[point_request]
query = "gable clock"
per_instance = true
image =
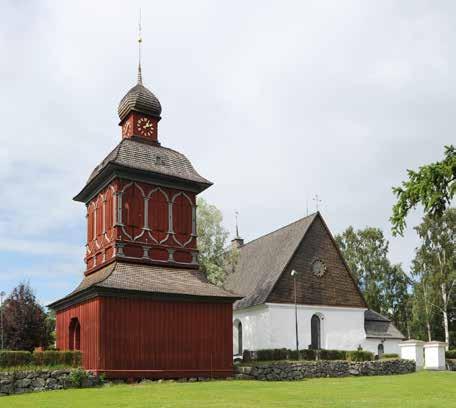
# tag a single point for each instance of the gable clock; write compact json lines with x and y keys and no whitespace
{"x":318,"y":268}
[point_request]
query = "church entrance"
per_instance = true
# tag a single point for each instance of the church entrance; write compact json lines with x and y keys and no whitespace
{"x":237,"y":338}
{"x":315,"y":332}
{"x":75,"y":335}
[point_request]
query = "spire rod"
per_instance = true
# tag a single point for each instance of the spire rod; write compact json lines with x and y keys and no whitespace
{"x":236,"y":213}
{"x":139,"y":49}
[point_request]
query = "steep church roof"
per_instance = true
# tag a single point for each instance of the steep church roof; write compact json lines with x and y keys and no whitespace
{"x":262,"y":260}
{"x":260,"y":277}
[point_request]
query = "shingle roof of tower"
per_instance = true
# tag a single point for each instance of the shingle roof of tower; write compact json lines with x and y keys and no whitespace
{"x":139,"y":99}
{"x":137,"y":155}
{"x":151,"y":279}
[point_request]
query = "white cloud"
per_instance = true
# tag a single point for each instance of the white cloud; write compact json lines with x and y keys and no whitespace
{"x":273,"y":101}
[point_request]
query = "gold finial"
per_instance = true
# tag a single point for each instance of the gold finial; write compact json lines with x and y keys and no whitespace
{"x":139,"y":49}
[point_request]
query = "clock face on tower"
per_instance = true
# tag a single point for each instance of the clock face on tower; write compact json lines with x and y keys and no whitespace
{"x":145,"y":127}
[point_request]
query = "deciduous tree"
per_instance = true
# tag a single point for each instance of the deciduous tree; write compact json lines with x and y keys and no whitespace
{"x":433,"y":186}
{"x":435,"y":262}
{"x":384,"y":285}
{"x":25,"y":321}
{"x":212,"y":242}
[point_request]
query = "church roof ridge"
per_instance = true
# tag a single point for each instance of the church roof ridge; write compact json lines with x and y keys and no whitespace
{"x":281,"y":228}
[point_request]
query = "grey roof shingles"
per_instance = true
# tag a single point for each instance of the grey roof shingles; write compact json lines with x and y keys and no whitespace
{"x":262,"y":261}
{"x":151,"y":279}
{"x":139,"y":99}
{"x":137,"y":155}
{"x":378,"y":326}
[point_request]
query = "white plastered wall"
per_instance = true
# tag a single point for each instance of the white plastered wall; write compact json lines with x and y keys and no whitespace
{"x":272,"y":325}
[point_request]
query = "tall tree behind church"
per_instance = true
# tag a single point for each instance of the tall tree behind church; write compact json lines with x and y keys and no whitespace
{"x":212,"y":243}
{"x":384,"y":285}
{"x":435,"y":262}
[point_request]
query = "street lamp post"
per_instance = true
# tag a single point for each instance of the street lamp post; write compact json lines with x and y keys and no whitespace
{"x":2,"y":293}
{"x":293,"y":274}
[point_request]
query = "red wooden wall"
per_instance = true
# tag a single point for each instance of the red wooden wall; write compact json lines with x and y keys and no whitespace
{"x":88,"y":314}
{"x":155,"y":339}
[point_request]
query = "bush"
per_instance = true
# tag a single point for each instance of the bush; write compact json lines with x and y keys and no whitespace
{"x":14,"y":358}
{"x":246,"y":356}
{"x":272,"y":354}
{"x":52,"y":358}
{"x":389,"y":355}
{"x":360,"y":355}
{"x":450,"y":354}
{"x":332,"y":354}
{"x":78,"y":376}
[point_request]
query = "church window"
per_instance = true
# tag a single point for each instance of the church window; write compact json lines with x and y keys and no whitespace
{"x":315,"y":332}
{"x":380,"y":350}
{"x":237,"y":338}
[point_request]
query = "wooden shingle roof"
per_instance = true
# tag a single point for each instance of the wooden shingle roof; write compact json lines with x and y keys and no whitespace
{"x":150,"y":279}
{"x":262,"y":261}
{"x":379,"y":326}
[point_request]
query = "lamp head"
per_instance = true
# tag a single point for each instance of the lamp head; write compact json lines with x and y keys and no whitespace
{"x":293,"y":273}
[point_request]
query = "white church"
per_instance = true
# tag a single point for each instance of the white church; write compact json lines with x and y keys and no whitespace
{"x":302,"y":262}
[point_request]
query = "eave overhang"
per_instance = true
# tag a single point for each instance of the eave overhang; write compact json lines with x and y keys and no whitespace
{"x":97,"y":291}
{"x":112,"y":171}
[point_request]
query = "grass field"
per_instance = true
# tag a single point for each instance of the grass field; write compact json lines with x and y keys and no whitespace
{"x":424,"y":389}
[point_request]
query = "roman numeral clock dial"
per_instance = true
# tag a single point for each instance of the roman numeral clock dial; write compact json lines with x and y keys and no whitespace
{"x":145,"y":127}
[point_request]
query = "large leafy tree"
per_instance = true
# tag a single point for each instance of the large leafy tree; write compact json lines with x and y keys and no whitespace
{"x":435,"y":263}
{"x":212,"y":242}
{"x":433,"y":186}
{"x":384,"y":285}
{"x":25,"y":322}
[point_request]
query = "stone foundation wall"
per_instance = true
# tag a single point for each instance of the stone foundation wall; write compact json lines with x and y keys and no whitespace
{"x":283,"y":371}
{"x":19,"y":382}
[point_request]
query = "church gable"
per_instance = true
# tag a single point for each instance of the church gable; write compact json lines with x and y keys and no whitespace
{"x":323,"y":277}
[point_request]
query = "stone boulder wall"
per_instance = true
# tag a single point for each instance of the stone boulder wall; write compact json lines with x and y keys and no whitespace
{"x":19,"y":382}
{"x":297,"y":370}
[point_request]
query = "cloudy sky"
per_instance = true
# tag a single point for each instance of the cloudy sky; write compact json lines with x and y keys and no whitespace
{"x":274,"y":101}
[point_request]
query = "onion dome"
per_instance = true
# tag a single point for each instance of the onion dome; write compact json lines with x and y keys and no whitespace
{"x":139,"y":99}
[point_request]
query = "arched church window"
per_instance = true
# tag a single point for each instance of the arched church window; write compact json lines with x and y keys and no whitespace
{"x":237,"y":338}
{"x":74,"y":334}
{"x":380,"y":350}
{"x":315,"y":332}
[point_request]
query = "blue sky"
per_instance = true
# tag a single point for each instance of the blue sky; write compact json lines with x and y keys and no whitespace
{"x":273,"y":101}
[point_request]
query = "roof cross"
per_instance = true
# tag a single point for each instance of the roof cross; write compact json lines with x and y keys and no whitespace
{"x":317,"y":201}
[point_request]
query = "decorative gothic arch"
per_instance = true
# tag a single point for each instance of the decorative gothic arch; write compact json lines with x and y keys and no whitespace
{"x":74,"y":334}
{"x":237,"y":338}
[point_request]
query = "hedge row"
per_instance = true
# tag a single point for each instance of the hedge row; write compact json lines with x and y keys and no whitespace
{"x":450,"y":354}
{"x":309,"y":354}
{"x":45,"y":358}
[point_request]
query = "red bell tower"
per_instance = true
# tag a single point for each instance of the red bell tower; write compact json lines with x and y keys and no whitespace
{"x":143,"y":308}
{"x":141,"y":199}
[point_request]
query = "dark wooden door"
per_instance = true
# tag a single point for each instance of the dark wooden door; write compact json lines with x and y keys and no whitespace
{"x":315,"y":332}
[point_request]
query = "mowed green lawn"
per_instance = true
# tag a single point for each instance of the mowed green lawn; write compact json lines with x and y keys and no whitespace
{"x":424,"y":389}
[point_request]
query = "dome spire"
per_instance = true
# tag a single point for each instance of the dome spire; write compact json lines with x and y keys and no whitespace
{"x":139,"y":49}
